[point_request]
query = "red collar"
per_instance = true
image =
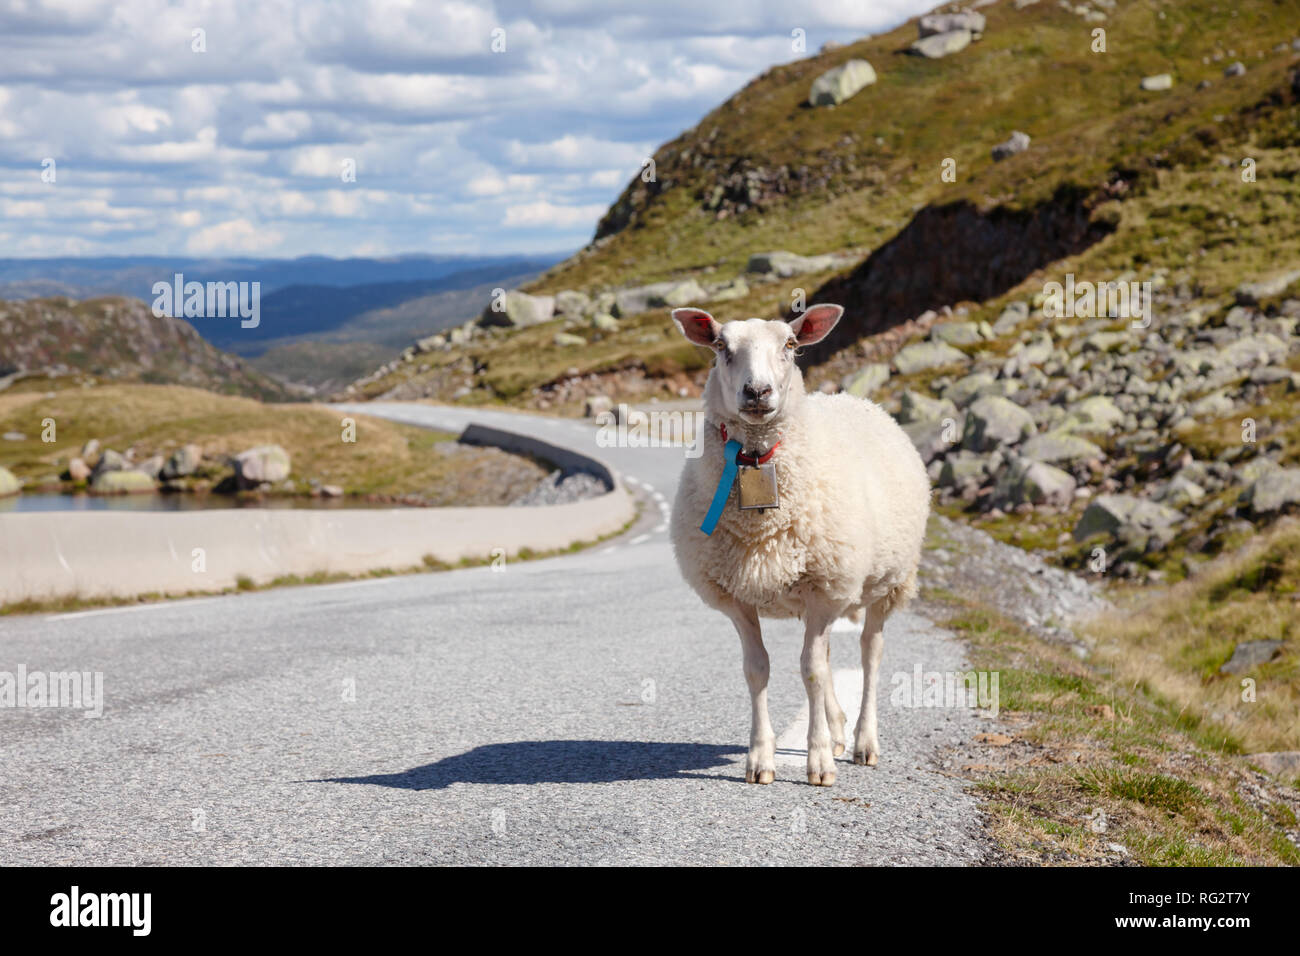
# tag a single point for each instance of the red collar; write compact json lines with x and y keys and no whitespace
{"x":750,"y":459}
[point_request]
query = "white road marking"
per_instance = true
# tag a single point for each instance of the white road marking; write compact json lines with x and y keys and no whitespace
{"x":660,"y":528}
{"x":640,"y":539}
{"x":792,"y":744}
{"x":156,"y":606}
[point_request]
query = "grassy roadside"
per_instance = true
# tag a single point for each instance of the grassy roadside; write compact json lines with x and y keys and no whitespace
{"x":1095,"y":767}
{"x":1174,"y":643}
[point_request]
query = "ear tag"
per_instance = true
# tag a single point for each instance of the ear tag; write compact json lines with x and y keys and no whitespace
{"x":758,"y":490}
{"x":724,"y":487}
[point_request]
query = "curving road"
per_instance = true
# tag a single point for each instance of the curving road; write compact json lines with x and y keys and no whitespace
{"x":580,"y":710}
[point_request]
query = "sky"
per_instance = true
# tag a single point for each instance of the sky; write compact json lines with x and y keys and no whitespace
{"x":185,"y":127}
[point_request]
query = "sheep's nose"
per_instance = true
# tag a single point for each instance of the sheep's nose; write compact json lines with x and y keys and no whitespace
{"x":755,"y":392}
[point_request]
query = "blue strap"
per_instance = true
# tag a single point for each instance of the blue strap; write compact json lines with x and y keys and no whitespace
{"x":724,"y":487}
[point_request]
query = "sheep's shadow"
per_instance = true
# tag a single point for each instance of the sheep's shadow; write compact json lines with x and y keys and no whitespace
{"x":560,"y":761}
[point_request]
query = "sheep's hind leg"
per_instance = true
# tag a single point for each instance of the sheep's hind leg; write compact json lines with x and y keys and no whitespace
{"x":815,"y":666}
{"x":866,"y":746}
{"x":834,"y":712}
{"x":760,"y":764}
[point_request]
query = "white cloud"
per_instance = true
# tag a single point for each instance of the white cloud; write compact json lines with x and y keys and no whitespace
{"x":545,"y":213}
{"x":234,"y":236}
{"x":240,"y":148}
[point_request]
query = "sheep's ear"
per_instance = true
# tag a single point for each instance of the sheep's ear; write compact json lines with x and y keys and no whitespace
{"x":697,"y":325}
{"x":815,"y":323}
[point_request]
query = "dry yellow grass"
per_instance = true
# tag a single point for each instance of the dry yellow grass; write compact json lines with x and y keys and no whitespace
{"x":386,"y":458}
{"x":1173,"y":642}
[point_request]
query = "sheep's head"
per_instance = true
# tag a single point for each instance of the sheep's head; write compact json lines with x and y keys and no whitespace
{"x":755,"y":368}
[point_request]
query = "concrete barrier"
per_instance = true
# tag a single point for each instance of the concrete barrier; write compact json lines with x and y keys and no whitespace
{"x":566,"y":459}
{"x":47,"y":555}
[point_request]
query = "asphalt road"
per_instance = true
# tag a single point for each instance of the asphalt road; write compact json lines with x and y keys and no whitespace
{"x":586,"y":709}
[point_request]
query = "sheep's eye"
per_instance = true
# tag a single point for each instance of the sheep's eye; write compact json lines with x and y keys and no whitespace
{"x":789,"y":345}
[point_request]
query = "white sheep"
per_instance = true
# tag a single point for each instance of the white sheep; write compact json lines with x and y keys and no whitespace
{"x":846,"y":536}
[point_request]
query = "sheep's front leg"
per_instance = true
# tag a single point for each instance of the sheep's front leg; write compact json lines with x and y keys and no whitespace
{"x":866,"y":747}
{"x":834,"y":712}
{"x":760,"y":764}
{"x":815,"y":665}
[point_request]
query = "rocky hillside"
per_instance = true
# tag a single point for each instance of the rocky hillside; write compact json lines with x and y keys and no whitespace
{"x":937,"y":181}
{"x":117,"y":340}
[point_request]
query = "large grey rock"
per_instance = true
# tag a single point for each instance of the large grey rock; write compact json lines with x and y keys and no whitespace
{"x":1026,"y":355}
{"x":685,"y":292}
{"x":1253,"y":351}
{"x":1273,"y":492}
{"x":993,"y":421}
{"x":933,"y":23}
{"x":109,"y":460}
{"x":961,"y":333}
{"x":784,"y":264}
{"x":9,"y":483}
{"x":519,"y":310}
{"x":597,"y":405}
{"x":1096,"y":415}
{"x":1104,"y":341}
{"x":938,"y":45}
{"x":1179,"y":492}
{"x":1215,"y":405}
{"x":265,"y":463}
{"x":966,"y":389}
{"x":122,"y":482}
{"x":658,"y":295}
{"x":728,"y":291}
{"x":184,"y":461}
{"x":1017,"y":143}
{"x":1115,"y":514}
{"x":923,"y":355}
{"x":1056,"y":447}
{"x":1280,"y":763}
{"x":921,"y":408}
{"x":962,"y":469}
{"x":575,"y":305}
{"x":1256,"y":468}
{"x":931,"y":439}
{"x":835,"y":86}
{"x":1013,"y":315}
{"x":1026,"y":481}
{"x":1249,"y":655}
{"x":1252,"y":293}
{"x":864,"y":382}
{"x":152,"y":466}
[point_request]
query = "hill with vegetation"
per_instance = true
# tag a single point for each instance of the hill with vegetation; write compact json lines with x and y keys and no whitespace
{"x":1117,"y":178}
{"x":60,"y":342}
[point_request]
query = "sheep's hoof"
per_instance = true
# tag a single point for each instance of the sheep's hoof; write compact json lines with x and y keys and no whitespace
{"x":865,"y":759}
{"x":759,"y":776}
{"x":837,"y":749}
{"x":821,"y":779}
